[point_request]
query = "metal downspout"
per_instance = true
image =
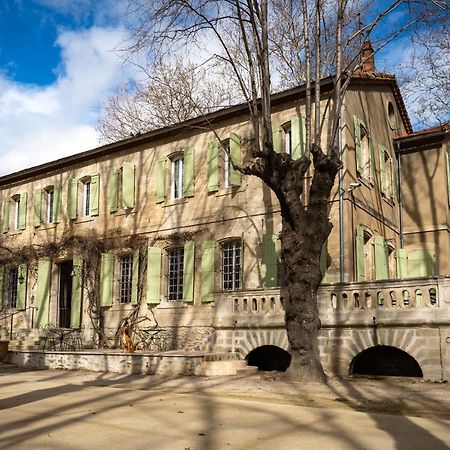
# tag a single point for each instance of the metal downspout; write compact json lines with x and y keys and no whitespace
{"x":400,"y":196}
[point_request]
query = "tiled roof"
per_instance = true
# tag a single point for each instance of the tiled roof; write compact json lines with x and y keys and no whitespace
{"x":426,"y":131}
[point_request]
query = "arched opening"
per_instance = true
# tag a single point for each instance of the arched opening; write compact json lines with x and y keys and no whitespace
{"x":269,"y":357}
{"x":383,"y":360}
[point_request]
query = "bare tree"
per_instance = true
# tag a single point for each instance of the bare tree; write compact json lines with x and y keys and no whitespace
{"x":312,"y":38}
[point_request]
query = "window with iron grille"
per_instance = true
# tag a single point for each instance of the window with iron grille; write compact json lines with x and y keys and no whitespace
{"x":175,"y":279}
{"x":125,"y":279}
{"x":231,"y":265}
{"x":11,"y":287}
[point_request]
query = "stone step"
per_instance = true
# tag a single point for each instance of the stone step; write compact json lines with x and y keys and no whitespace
{"x":220,"y":368}
{"x":248,"y":370}
{"x":6,"y":366}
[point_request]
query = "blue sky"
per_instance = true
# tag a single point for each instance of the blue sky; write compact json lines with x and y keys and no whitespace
{"x":58,"y":64}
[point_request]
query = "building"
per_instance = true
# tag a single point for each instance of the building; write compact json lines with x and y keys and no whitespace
{"x":159,"y":228}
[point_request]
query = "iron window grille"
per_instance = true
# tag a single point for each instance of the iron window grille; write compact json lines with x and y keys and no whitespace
{"x":231,"y":265}
{"x":126,"y":277}
{"x":175,"y":279}
{"x":11,"y":293}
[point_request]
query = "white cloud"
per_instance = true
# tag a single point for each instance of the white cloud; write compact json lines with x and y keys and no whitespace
{"x":40,"y":124}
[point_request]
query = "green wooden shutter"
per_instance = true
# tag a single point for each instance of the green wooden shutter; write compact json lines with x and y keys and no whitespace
{"x":372,"y":160}
{"x":5,"y":215}
{"x":358,"y":152}
{"x":394,"y":189}
{"x":360,"y":257}
{"x":213,"y":167}
{"x":153,"y":275}
{"x":421,"y":263}
{"x":95,"y":193}
{"x":43,"y":292}
{"x":77,"y":290}
{"x":128,"y":185}
{"x":57,"y":203}
{"x":381,"y":150}
{"x":188,"y":271}
{"x":106,"y":279}
{"x":72,"y":197}
{"x":381,"y":262}
{"x":23,"y":211}
{"x":189,"y":173}
{"x":22,"y":274}
{"x":37,"y":202}
{"x":276,"y":138}
{"x":269,"y":264}
{"x":2,"y":277}
{"x":448,"y":176}
{"x":160,"y":179}
{"x":295,"y":138}
{"x":235,"y":151}
{"x":113,"y":190}
{"x":208,"y":258}
{"x":135,"y":278}
{"x":402,"y":263}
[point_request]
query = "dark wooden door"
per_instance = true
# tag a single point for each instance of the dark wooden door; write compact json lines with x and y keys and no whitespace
{"x":65,"y":293}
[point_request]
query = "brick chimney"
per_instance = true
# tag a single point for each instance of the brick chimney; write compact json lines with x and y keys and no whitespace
{"x":367,"y":58}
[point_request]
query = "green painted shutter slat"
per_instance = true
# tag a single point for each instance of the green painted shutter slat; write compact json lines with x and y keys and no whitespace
{"x":358,"y":152}
{"x":128,"y":185}
{"x":381,"y":263}
{"x":106,"y":279}
{"x":188,"y":271}
{"x":77,"y":290}
{"x":381,"y":150}
{"x":113,"y":190}
{"x":421,"y":263}
{"x":37,"y":207}
{"x":269,"y":267}
{"x":207,"y":267}
{"x":160,"y":179}
{"x":402,"y":263}
{"x":5,"y":215}
{"x":295,"y":138}
{"x":276,"y":138}
{"x":153,"y":275}
{"x":448,"y":176}
{"x":189,"y":173}
{"x":22,"y":274}
{"x":43,"y":292}
{"x":360,"y":257}
{"x":57,"y":203}
{"x":372,"y":160}
{"x":95,"y":194}
{"x":213,"y":167}
{"x":135,"y":278}
{"x":235,"y":153}
{"x":23,"y":211}
{"x":2,"y":277}
{"x":72,"y":197}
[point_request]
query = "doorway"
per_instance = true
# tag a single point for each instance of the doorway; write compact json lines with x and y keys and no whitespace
{"x":65,"y":293}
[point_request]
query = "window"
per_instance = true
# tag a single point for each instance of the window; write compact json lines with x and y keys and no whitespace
{"x":177,"y":177}
{"x":231,"y":265}
{"x":386,"y":172}
{"x":365,"y":153}
{"x":86,"y":204}
{"x":226,"y":164}
{"x":175,"y":275}
{"x":50,"y":201}
{"x":126,"y":278}
{"x":11,"y":287}
{"x":16,"y":212}
{"x":391,"y":116}
{"x":287,"y":138}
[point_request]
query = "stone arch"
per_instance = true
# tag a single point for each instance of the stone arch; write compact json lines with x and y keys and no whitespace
{"x":268,"y":358}
{"x":385,"y":360}
{"x":253,"y":339}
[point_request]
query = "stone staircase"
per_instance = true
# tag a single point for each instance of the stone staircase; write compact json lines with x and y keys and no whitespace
{"x":26,"y":339}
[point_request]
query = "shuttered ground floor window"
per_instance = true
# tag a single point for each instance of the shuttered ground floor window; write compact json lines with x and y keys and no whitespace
{"x":126,"y":278}
{"x":175,"y":275}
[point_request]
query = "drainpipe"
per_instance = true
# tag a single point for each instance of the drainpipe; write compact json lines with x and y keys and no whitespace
{"x":400,"y":196}
{"x":341,"y":208}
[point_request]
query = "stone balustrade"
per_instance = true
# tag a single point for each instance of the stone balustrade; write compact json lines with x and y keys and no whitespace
{"x":407,"y":302}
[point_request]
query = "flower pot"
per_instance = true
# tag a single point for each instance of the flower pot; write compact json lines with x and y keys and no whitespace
{"x":3,"y":350}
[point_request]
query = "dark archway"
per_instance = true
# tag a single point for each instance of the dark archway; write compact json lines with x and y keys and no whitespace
{"x":383,"y":360}
{"x":269,"y":357}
